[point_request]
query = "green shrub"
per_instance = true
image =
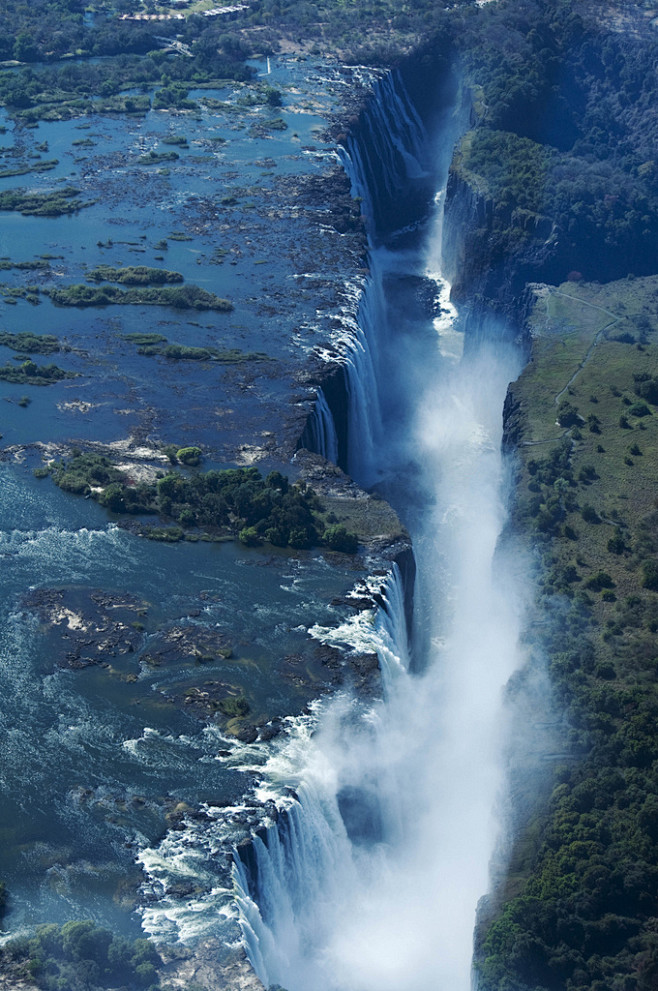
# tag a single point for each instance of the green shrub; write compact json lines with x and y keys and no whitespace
{"x":567,"y":414}
{"x":337,"y":538}
{"x":302,"y":537}
{"x":587,"y":474}
{"x":647,"y":388}
{"x":599,"y":581}
{"x":589,"y":514}
{"x":650,"y":575}
{"x":190,"y":456}
{"x":234,"y":706}
{"x":616,"y":544}
{"x":250,"y":537}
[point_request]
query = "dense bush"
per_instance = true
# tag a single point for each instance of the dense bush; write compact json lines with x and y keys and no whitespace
{"x":237,"y":500}
{"x":134,"y":275}
{"x":337,"y":538}
{"x":81,"y":956}
{"x":565,"y":145}
{"x":180,"y":297}
{"x":52,"y":204}
{"x":29,"y":373}
{"x":28,"y":343}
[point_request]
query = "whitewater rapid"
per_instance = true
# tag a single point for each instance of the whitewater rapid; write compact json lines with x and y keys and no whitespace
{"x":372,"y":878}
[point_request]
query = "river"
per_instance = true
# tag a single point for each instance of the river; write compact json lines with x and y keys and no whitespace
{"x":97,"y":757}
{"x":383,"y":816}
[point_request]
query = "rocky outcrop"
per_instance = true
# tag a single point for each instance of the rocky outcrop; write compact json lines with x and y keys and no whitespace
{"x":382,"y":536}
{"x":485,"y":268}
{"x":209,"y":967}
{"x":513,"y":420}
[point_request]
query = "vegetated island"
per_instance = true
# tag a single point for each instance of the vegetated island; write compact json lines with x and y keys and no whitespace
{"x":25,"y":342}
{"x":147,"y":286}
{"x":51,"y":204}
{"x":235,"y":502}
{"x":134,"y":275}
{"x":29,"y":373}
{"x":152,"y":344}
{"x":186,"y":297}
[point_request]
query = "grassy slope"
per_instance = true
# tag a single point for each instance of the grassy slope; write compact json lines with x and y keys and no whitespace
{"x":577,"y":907}
{"x":578,"y":357}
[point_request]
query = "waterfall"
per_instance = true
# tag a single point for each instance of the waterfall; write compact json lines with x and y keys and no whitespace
{"x":371,"y":880}
{"x":291,"y":881}
{"x":382,"y":631}
{"x":320,"y":433}
{"x":364,"y":425}
{"x":387,"y":160}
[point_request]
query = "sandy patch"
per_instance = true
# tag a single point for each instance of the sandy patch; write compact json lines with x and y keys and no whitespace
{"x":73,"y":620}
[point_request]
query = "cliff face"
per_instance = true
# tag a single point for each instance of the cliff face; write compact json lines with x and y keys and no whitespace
{"x":485,"y":269}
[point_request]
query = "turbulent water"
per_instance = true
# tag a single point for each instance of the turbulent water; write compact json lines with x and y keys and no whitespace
{"x":101,"y":748}
{"x":93,"y":759}
{"x":372,"y":880}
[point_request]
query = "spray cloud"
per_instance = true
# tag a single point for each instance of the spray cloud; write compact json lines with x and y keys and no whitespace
{"x":372,"y":881}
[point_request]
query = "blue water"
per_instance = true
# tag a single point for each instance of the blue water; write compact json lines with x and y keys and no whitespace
{"x":231,"y":201}
{"x":93,"y":760}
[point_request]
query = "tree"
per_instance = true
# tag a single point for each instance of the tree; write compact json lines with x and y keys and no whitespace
{"x":112,"y":498}
{"x":24,"y":48}
{"x":337,"y":538}
{"x":567,"y":414}
{"x":189,"y":456}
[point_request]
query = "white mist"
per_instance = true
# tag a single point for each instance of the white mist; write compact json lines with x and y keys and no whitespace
{"x":384,"y":897}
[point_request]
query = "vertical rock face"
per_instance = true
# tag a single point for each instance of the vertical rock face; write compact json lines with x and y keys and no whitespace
{"x":386,"y":149}
{"x":392,"y":166}
{"x":486,"y":275}
{"x":466,"y":212}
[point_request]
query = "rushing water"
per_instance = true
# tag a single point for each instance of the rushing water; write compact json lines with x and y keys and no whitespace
{"x":371,"y":876}
{"x":96,"y":761}
{"x":371,"y":881}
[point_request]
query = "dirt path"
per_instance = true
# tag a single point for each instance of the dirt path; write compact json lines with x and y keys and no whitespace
{"x":615,"y":319}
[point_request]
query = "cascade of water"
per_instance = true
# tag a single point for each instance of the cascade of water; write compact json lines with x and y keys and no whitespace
{"x":320,"y":434}
{"x":291,"y":883}
{"x":382,"y":632}
{"x":394,"y":152}
{"x":391,"y":158}
{"x":364,"y":424}
{"x":372,"y":881}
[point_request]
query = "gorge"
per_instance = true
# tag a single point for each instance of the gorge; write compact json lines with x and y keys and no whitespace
{"x":372,"y":878}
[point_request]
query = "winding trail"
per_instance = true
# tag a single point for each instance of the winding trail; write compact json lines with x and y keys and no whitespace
{"x":597,"y":338}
